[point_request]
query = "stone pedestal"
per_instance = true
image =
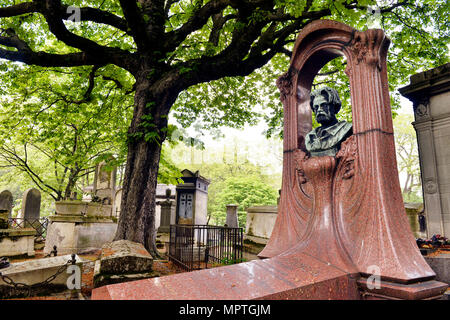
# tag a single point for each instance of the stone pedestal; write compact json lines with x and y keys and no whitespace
{"x":232,"y":216}
{"x":78,"y":226}
{"x":430,"y":93}
{"x":413,"y":212}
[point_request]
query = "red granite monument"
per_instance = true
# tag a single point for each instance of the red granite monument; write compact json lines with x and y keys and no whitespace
{"x":341,"y":223}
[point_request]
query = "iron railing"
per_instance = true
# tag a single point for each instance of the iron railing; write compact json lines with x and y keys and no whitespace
{"x":40,"y":225}
{"x":194,"y":247}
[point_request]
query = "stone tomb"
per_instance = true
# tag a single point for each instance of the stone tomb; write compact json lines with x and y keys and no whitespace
{"x":80,"y":226}
{"x":77,"y":226}
{"x":15,"y":242}
{"x":35,"y":271}
{"x":192,"y":199}
{"x":335,"y":213}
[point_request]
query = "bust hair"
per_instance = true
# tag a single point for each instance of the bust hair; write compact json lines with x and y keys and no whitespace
{"x":330,"y":94}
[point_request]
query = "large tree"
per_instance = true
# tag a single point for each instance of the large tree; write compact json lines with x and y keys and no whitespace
{"x":173,"y":45}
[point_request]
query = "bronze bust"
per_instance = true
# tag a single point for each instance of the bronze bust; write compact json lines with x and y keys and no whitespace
{"x":326,"y":139}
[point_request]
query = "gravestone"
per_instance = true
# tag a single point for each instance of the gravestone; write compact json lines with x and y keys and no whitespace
{"x":232,"y":216}
{"x":6,"y":201}
{"x":31,"y":205}
{"x":429,"y":92}
{"x":166,"y":211}
{"x":105,"y":183}
{"x":336,"y":212}
{"x":161,"y":196}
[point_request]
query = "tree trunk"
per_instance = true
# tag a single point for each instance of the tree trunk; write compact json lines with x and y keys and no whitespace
{"x":70,"y":184}
{"x":137,"y":213}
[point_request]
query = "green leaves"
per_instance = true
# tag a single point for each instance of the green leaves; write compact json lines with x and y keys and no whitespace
{"x":53,"y":128}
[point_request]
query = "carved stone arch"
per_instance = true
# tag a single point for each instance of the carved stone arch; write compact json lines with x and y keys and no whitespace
{"x":369,"y":225}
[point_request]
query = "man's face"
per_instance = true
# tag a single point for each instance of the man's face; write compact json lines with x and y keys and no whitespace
{"x":323,"y":110}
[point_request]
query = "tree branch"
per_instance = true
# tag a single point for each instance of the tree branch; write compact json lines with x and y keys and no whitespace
{"x":197,"y":21}
{"x":135,"y":22}
{"x":86,"y":14}
{"x":52,"y":14}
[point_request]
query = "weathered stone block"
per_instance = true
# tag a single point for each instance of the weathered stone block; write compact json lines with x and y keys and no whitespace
{"x":76,"y":208}
{"x":76,"y":235}
{"x":123,"y":261}
{"x":36,"y":271}
{"x":98,"y":209}
{"x":17,"y":242}
{"x":441,"y":266}
{"x":125,"y":256}
{"x":70,"y":207}
{"x":260,"y":222}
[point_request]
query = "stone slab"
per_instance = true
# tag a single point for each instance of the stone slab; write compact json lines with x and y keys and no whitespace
{"x":125,"y":256}
{"x":441,"y":266}
{"x":102,"y":279}
{"x":426,"y":290}
{"x":35,"y":271}
{"x":258,"y":240}
{"x":283,"y":277}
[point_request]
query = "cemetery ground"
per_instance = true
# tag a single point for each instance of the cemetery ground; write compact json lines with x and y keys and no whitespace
{"x":160,"y":267}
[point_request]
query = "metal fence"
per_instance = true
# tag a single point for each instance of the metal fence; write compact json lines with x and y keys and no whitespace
{"x":194,"y":247}
{"x":40,"y":225}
